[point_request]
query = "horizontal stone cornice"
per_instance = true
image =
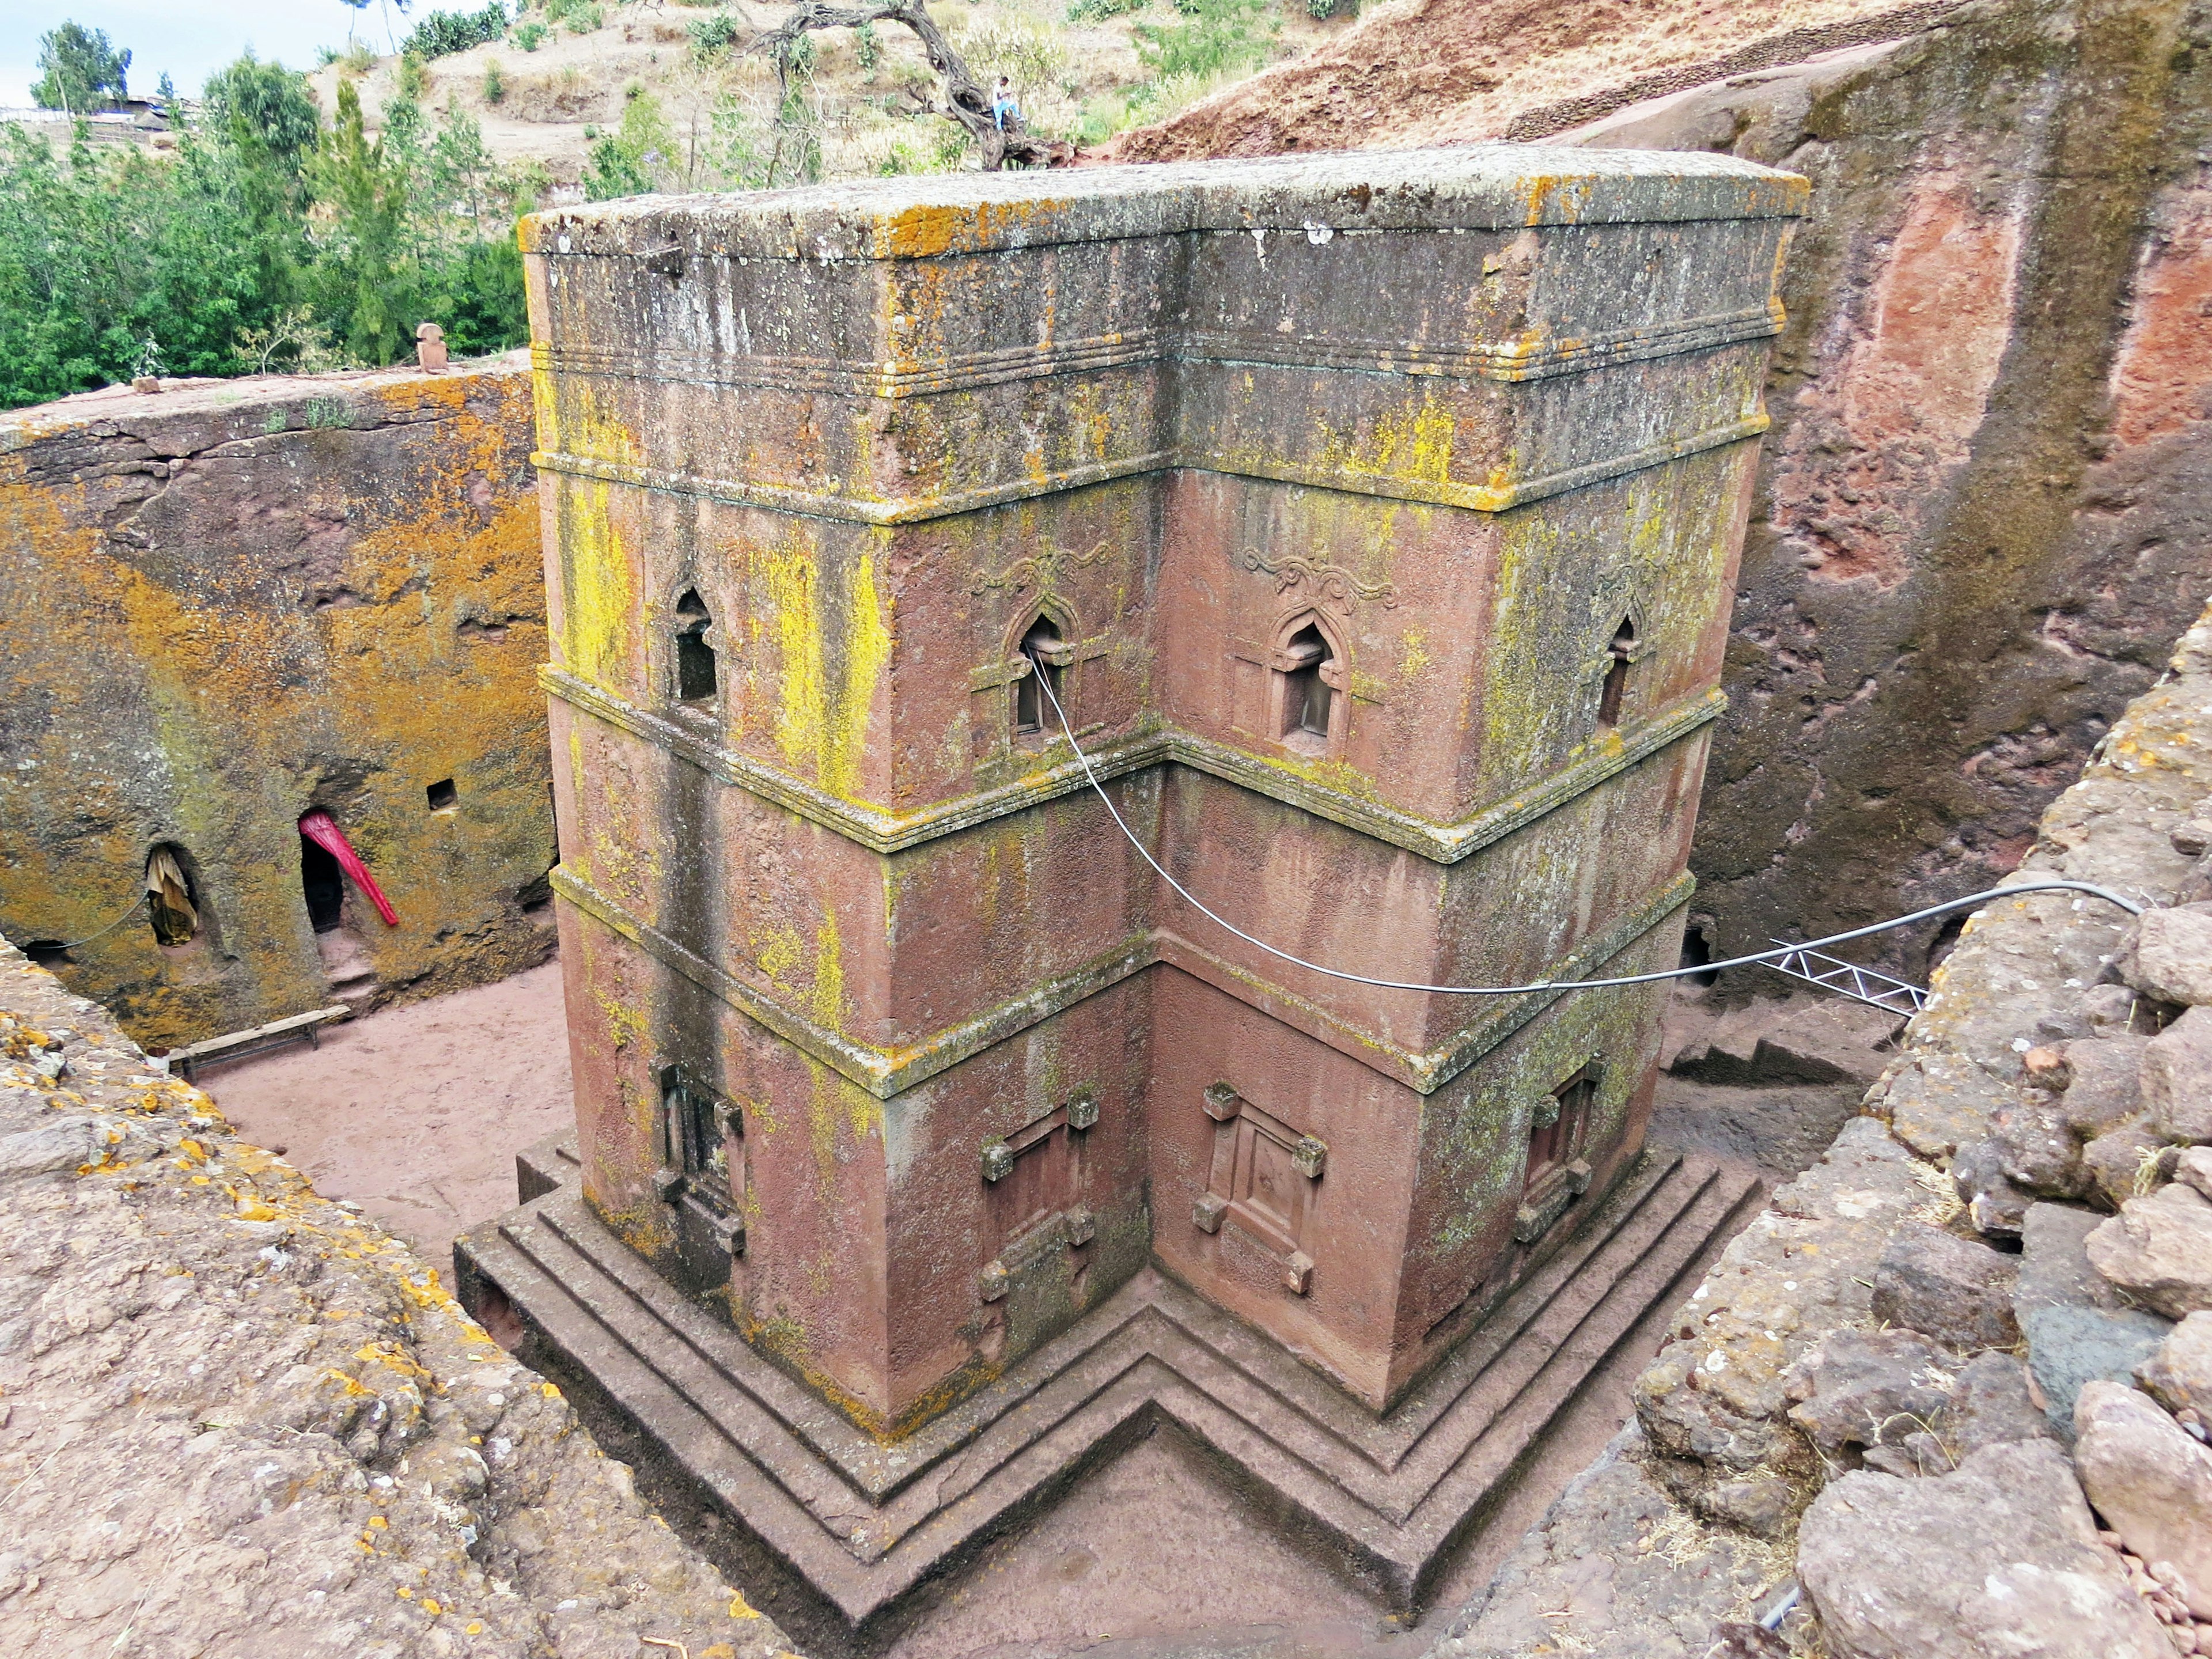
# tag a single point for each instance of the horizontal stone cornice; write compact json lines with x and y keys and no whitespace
{"x":832,"y":503}
{"x":886,"y":1072}
{"x":882,"y":830}
{"x":1510,"y":359}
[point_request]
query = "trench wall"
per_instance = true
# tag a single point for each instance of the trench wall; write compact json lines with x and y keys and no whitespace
{"x":1984,"y":508}
{"x":230,"y":601}
{"x":1780,"y":1401}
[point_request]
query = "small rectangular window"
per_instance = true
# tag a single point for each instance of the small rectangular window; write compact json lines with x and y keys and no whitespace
{"x":442,"y":795}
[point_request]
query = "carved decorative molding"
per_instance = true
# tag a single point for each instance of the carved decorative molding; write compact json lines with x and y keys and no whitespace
{"x":1042,"y":570}
{"x":1326,"y":584}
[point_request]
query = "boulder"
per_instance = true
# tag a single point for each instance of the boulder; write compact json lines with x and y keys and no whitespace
{"x":1934,"y":1282}
{"x":1992,"y":1405}
{"x":1761,"y":1505}
{"x":2037,"y":1149}
{"x":2105,"y":1086}
{"x":2158,"y":1250}
{"x":2167,"y":954}
{"x":1994,"y":1205}
{"x":2193,"y":1168}
{"x":2113,"y":1010}
{"x":2112,"y":1165}
{"x":2151,"y":1482}
{"x":1938,"y":1103}
{"x":1869,"y":1389}
{"x":2177,"y":1078}
{"x":1999,"y":1557}
{"x":2054,"y":1265}
{"x":2069,"y":1347}
{"x":2180,"y":1374}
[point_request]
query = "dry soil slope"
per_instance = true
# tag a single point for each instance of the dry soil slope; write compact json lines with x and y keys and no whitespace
{"x":1459,"y":71}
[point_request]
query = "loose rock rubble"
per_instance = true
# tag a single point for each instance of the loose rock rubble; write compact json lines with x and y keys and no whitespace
{"x":236,"y":1420}
{"x":1952,"y":1387}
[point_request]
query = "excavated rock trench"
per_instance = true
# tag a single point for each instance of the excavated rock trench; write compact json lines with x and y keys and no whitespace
{"x":363,"y":1471}
{"x":237,"y":1416}
{"x":412,"y":1118}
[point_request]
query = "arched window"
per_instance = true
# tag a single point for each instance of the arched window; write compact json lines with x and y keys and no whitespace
{"x":1305,"y":693}
{"x":696,"y":682}
{"x":1623,"y":650}
{"x":171,"y":904}
{"x":1047,"y":654}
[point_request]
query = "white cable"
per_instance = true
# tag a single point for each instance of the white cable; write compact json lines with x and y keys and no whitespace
{"x":2050,"y":885}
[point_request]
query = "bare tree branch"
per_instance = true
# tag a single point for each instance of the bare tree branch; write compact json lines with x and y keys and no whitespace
{"x":967,"y":99}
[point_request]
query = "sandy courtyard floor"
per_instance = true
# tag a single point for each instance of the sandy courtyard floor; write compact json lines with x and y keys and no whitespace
{"x":415,"y":1114}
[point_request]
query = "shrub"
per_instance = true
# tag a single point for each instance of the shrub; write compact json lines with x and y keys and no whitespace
{"x":530,"y":35}
{"x":357,"y":58}
{"x":441,"y":33}
{"x":412,"y":79}
{"x":867,"y":51}
{"x":713,"y":35}
{"x":1028,"y":55}
{"x":1097,"y":11}
{"x":1216,"y":37}
{"x":495,"y":83}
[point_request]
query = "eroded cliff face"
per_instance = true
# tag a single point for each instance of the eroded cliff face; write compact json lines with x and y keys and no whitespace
{"x":1986,"y":502}
{"x":227,"y":603}
{"x":1985,"y":509}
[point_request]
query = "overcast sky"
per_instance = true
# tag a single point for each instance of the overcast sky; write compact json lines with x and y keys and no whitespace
{"x":186,"y":38}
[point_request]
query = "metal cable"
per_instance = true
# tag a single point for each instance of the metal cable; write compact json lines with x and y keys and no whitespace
{"x":2050,"y":885}
{"x":104,"y":932}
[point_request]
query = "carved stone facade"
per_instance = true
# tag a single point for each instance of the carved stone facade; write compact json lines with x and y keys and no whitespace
{"x":1374,"y":521}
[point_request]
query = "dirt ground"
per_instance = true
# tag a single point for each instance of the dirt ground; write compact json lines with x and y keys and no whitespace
{"x":416,"y":1113}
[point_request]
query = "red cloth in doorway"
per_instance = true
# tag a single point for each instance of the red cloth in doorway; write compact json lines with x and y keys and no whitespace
{"x":320,"y":828}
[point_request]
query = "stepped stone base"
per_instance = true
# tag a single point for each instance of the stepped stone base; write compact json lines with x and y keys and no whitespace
{"x":863,"y":1524}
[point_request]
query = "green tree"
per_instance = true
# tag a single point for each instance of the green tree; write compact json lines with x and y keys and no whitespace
{"x":635,"y":156}
{"x":265,"y":118}
{"x":365,"y":277}
{"x":76,"y":66}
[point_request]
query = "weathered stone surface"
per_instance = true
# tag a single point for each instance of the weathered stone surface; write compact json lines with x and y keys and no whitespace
{"x":2192,"y":1167}
{"x":300,"y":592}
{"x":1607,"y":1571}
{"x":2159,"y":1249}
{"x":1717,"y":1393}
{"x":2036,"y":1147}
{"x":2177,"y":1078}
{"x":2167,"y":954}
{"x":238,"y":1420}
{"x":2151,"y":1482}
{"x":2054,"y":1265}
{"x":2109,"y":828}
{"x":2000,"y":1558}
{"x":2069,"y":1347}
{"x":2112,"y":1165}
{"x":1763,"y":1505}
{"x":1937,"y":1103}
{"x":2180,"y":1374}
{"x":1993,"y":1204}
{"x":1940,"y":1285}
{"x":62,"y":1143}
{"x":2105,"y":1087}
{"x":1991,"y":1405}
{"x":1871,"y":1390}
